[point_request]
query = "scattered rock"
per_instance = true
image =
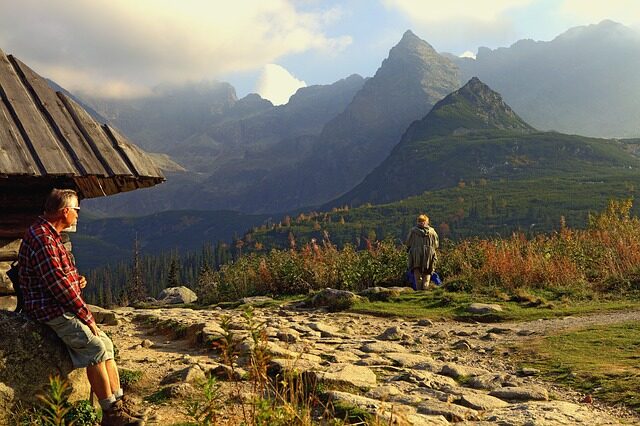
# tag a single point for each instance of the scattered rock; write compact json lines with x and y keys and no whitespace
{"x":480,"y":402}
{"x":225,"y":372}
{"x":462,"y":345}
{"x":103,"y":316}
{"x":288,"y":335}
{"x":342,"y":357}
{"x":457,"y":371}
{"x":484,"y":308}
{"x":531,"y":393}
{"x":325,"y":329}
{"x":383,"y":392}
{"x":417,"y":361}
{"x":451,"y":412}
{"x":179,"y":390}
{"x":177,"y":295}
{"x":146,"y":343}
{"x":382,"y":347}
{"x":192,"y":374}
{"x":425,"y":322}
{"x":347,"y":374}
{"x":527,"y":371}
{"x":440,"y":335}
{"x":392,"y":333}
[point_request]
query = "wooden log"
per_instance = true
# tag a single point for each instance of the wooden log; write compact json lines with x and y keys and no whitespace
{"x":42,"y":144}
{"x":8,"y":303}
{"x":6,"y":286}
{"x":14,"y":225}
{"x":9,"y":249}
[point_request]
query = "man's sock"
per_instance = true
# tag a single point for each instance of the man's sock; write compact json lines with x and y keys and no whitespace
{"x":119,"y":393}
{"x":106,"y":403}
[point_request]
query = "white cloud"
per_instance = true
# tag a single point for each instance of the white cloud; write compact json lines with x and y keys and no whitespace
{"x":123,"y":47}
{"x":277,"y":84}
{"x":459,"y":24}
{"x":438,"y":10}
{"x":593,"y":11}
{"x":468,"y":54}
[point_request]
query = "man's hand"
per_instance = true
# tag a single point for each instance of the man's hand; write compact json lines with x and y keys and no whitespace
{"x":94,"y":328}
{"x":83,"y":281}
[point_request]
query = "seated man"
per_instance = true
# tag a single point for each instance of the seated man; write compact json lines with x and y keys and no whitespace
{"x":51,"y":286}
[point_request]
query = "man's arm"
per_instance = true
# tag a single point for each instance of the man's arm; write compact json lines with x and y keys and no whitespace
{"x":59,"y":283}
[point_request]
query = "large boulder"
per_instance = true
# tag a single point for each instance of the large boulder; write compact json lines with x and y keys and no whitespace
{"x":30,"y":352}
{"x":334,"y":300}
{"x":177,"y":295}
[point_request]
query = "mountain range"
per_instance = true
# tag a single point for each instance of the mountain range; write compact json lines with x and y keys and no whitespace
{"x":472,"y":163}
{"x":248,"y":155}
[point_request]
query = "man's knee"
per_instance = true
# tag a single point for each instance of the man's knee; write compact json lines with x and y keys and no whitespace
{"x":108,"y":345}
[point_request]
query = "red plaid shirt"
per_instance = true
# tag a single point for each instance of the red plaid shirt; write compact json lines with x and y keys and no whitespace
{"x":49,"y":280}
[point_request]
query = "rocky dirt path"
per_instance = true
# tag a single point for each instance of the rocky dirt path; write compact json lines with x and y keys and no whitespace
{"x":420,"y":372}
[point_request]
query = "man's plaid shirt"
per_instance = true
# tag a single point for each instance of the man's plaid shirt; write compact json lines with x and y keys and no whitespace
{"x":48,"y":278}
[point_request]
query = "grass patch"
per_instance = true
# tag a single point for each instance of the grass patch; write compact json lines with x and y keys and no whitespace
{"x":602,"y":361}
{"x":158,"y":397}
{"x":440,"y":303}
{"x":129,"y":377}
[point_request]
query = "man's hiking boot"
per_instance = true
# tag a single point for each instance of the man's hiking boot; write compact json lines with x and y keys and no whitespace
{"x":131,"y":407}
{"x":116,"y":416}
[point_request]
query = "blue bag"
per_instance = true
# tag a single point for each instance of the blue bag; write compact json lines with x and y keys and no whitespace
{"x":435,"y":279}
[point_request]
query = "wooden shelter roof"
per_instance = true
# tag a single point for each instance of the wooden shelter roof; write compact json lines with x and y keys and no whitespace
{"x":45,"y":134}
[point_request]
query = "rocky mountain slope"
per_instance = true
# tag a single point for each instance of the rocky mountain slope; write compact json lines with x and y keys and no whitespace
{"x":408,"y":83}
{"x":473,"y":134}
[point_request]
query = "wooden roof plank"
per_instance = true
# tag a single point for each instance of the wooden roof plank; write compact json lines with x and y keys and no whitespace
{"x":139,"y":160}
{"x":14,"y":154}
{"x":29,"y":120}
{"x":92,"y":132}
{"x":80,"y":150}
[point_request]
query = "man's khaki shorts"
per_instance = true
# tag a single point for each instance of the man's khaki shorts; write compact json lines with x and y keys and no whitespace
{"x":84,"y":347}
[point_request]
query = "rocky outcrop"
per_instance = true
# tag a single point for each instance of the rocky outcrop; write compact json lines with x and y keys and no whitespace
{"x":29,"y":354}
{"x":176,"y":295}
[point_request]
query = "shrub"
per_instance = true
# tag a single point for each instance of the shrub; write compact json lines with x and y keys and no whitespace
{"x":603,"y":257}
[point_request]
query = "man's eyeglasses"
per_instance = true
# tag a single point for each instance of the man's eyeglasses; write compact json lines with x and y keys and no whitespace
{"x":74,"y":208}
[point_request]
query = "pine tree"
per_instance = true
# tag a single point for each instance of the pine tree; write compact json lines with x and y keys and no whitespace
{"x":174,"y":273}
{"x":137,"y":291}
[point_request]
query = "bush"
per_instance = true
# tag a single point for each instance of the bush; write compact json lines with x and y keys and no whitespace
{"x":603,"y":257}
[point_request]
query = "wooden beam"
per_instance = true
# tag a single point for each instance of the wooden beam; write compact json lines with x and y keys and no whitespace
{"x":92,"y":132}
{"x":14,"y":154}
{"x":61,"y":122}
{"x":34,"y":129}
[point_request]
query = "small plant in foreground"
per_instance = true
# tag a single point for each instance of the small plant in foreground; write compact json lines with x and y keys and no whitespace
{"x":55,"y":409}
{"x":205,"y":411}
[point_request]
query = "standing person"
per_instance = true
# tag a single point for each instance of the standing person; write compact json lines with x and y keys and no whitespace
{"x":422,"y":243}
{"x":52,"y":295}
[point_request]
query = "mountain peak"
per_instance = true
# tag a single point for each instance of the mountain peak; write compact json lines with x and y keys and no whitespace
{"x":412,"y":43}
{"x":473,"y":106}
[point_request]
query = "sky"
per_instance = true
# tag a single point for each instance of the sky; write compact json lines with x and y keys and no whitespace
{"x":124,"y":48}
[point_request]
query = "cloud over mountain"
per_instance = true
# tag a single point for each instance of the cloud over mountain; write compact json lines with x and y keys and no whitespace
{"x":120,"y":48}
{"x":277,"y":84}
